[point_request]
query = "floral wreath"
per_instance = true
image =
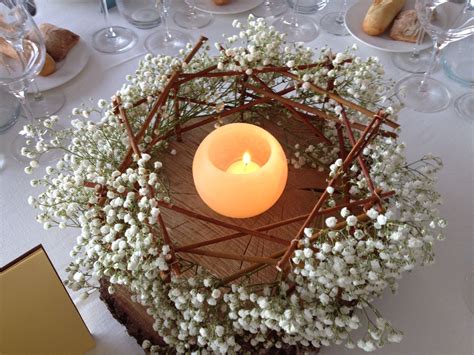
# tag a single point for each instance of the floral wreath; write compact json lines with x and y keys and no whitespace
{"x":334,"y":278}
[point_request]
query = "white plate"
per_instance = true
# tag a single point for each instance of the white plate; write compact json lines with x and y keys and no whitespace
{"x":232,"y":8}
{"x":356,"y":14}
{"x":67,"y":69}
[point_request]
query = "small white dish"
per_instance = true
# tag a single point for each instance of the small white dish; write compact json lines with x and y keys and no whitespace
{"x":232,"y":8}
{"x":67,"y":69}
{"x":356,"y":14}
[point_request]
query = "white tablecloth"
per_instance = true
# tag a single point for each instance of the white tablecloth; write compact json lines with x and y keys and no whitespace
{"x":429,"y":307}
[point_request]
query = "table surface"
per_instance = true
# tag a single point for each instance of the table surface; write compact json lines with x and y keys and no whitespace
{"x":429,"y":306}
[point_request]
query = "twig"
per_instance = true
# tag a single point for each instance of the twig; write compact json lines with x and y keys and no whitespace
{"x":217,"y":222}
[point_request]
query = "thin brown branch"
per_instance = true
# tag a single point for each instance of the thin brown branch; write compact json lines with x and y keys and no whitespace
{"x":167,"y":240}
{"x":128,"y":127}
{"x":341,"y":100}
{"x":239,"y":235}
{"x":295,"y":113}
{"x":217,"y":222}
{"x":216,"y":254}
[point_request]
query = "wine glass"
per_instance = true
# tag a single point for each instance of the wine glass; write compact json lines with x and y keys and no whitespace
{"x":22,"y":59}
{"x":113,"y":39}
{"x":167,"y":41}
{"x":333,"y":22}
{"x":416,"y":61}
{"x":270,"y":8}
{"x":191,"y":17}
{"x":458,"y":64}
{"x":445,"y":21}
{"x":44,"y":105}
{"x":297,"y":28}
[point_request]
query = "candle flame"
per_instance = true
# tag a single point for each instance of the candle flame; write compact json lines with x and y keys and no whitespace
{"x":247,"y":159}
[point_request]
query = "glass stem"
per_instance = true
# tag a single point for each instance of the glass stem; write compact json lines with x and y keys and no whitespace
{"x":294,"y":13}
{"x":166,"y":25}
{"x":37,"y":95}
{"x":192,"y":7}
{"x":21,"y":96}
{"x":433,"y":60}
{"x":416,"y":49}
{"x":110,"y":30}
{"x":340,"y":18}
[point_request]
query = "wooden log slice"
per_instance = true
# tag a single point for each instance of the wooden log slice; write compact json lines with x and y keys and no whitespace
{"x":303,"y":189}
{"x":139,"y":323}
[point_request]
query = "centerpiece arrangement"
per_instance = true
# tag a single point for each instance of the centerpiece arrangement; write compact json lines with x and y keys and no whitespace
{"x":234,"y":267}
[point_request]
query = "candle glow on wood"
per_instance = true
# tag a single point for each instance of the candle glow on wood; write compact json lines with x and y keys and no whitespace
{"x":240,"y":170}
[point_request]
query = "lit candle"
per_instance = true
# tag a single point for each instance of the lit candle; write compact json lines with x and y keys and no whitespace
{"x":240,"y":170}
{"x":244,"y":166}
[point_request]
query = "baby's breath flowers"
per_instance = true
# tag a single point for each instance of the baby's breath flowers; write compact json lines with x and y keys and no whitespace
{"x":335,"y":278}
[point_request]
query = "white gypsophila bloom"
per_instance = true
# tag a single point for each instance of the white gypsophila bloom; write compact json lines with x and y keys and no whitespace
{"x":331,"y":222}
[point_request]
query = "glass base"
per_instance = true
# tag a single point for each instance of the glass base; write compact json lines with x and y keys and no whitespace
{"x":307,"y":6}
{"x":411,"y":63}
{"x":272,"y":8}
{"x":464,"y":106}
{"x":189,"y":20}
{"x":115,"y":39}
{"x":46,"y":104}
{"x":433,"y":97}
{"x":167,"y":43}
{"x":299,"y":29}
{"x":333,"y":23}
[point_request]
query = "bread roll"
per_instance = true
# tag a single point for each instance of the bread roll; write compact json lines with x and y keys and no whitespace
{"x":405,"y":27}
{"x":380,"y":15}
{"x":49,"y":66}
{"x":58,"y":41}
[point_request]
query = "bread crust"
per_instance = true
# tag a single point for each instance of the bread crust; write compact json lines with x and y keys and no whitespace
{"x":405,"y":27}
{"x":58,"y":41}
{"x":380,"y":15}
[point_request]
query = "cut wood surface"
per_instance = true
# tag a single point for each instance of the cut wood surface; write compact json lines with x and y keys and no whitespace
{"x":303,"y":188}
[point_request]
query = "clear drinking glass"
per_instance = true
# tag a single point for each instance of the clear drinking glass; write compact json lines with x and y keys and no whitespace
{"x":333,"y":22}
{"x":270,"y":8}
{"x":307,"y":6}
{"x":112,"y":39}
{"x":22,"y":60}
{"x":9,"y":110}
{"x":44,"y":104}
{"x":298,"y":28}
{"x":415,"y":62}
{"x":191,"y":17}
{"x":142,"y":14}
{"x":458,"y":64}
{"x":167,"y":41}
{"x":445,"y":21}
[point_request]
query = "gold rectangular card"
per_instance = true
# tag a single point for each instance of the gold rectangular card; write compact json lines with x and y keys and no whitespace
{"x":37,"y":316}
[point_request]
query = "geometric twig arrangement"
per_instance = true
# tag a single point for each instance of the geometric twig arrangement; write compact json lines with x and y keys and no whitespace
{"x":255,"y":89}
{"x":304,"y":273}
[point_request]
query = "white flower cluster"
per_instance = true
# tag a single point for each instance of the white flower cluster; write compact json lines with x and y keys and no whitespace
{"x":337,"y":272}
